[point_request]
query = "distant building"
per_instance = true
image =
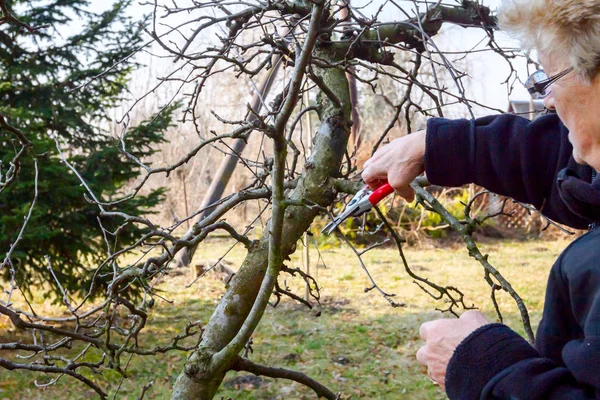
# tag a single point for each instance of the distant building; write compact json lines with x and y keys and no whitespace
{"x":530,"y":109}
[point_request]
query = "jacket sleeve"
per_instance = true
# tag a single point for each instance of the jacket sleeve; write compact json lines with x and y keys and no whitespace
{"x":496,"y":363}
{"x":507,"y":154}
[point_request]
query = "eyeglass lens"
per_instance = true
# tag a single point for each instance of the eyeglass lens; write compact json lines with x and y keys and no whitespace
{"x":534,"y":78}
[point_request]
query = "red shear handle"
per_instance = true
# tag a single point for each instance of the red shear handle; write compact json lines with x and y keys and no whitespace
{"x":380,"y":193}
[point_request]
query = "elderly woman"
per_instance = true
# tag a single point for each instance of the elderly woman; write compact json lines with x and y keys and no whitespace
{"x":549,"y":163}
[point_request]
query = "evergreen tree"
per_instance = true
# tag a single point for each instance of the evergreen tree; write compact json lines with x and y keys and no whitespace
{"x":39,"y":76}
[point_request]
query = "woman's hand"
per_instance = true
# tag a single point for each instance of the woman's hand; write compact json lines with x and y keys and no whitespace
{"x":398,"y":163}
{"x":441,"y":338}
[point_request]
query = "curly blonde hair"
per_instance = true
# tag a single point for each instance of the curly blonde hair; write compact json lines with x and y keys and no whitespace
{"x":564,"y":28}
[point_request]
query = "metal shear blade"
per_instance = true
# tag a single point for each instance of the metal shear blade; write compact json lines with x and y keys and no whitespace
{"x":330,"y":227}
{"x":357,"y":206}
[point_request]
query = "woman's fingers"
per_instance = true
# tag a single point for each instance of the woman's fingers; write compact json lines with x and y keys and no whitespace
{"x":398,"y":163}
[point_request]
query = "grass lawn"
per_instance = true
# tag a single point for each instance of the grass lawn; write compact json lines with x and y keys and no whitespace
{"x":359,"y":345}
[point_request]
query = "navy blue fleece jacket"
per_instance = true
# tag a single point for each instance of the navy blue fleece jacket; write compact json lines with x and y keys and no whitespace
{"x":531,"y":162}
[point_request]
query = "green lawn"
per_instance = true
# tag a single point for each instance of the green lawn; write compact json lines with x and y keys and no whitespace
{"x":359,"y":345}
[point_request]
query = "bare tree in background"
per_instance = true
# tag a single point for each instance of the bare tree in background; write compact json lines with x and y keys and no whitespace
{"x":317,"y":44}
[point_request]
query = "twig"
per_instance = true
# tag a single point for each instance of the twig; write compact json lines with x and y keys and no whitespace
{"x":385,"y":295}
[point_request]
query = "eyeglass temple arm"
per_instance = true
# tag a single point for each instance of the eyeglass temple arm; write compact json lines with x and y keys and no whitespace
{"x":541,"y":86}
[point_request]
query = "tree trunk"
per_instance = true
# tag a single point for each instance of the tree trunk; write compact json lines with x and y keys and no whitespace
{"x":201,"y":376}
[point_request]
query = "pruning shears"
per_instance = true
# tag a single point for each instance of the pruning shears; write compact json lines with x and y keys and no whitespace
{"x":363,"y":201}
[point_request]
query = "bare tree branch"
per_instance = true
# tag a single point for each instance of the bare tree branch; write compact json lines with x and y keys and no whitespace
{"x":243,"y":364}
{"x":465,"y":230}
{"x":9,"y":17}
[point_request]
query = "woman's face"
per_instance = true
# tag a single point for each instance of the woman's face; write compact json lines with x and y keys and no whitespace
{"x":578,"y":106}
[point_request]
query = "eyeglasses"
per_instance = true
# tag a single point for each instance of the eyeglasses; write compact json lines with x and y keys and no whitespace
{"x":538,"y":83}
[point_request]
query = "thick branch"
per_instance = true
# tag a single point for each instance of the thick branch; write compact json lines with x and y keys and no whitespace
{"x":243,"y":364}
{"x":367,"y":46}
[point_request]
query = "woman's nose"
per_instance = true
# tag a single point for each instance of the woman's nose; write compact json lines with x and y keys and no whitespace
{"x":549,"y":102}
